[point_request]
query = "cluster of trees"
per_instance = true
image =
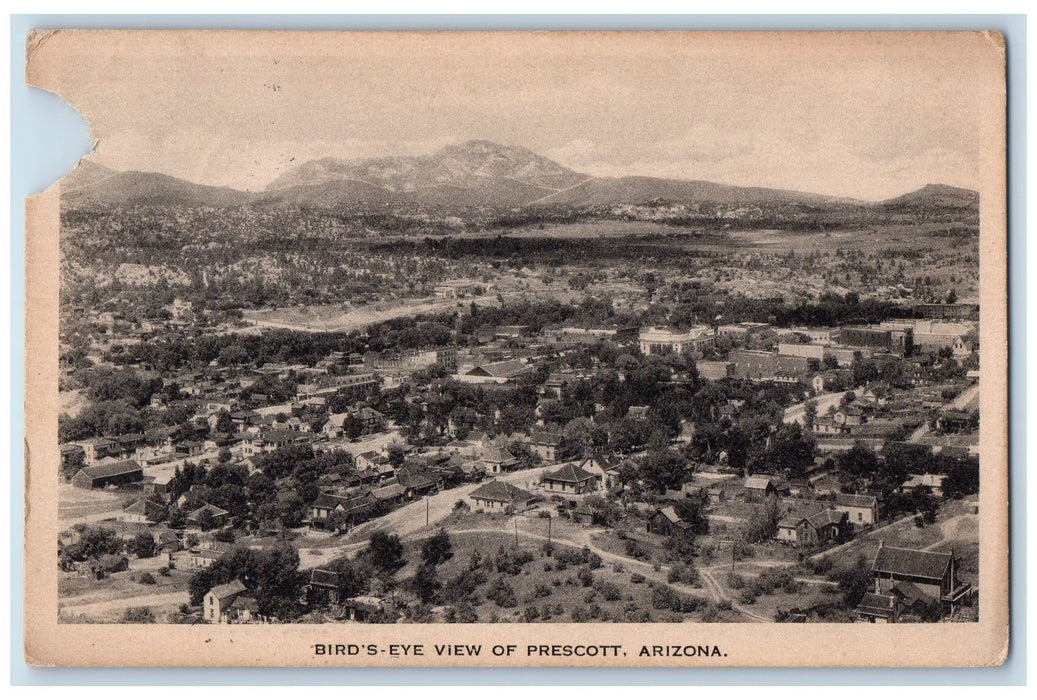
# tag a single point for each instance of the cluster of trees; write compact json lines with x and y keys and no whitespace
{"x":888,"y":472}
{"x":271,"y":575}
{"x":91,"y":543}
{"x":286,"y":481}
{"x":118,"y":400}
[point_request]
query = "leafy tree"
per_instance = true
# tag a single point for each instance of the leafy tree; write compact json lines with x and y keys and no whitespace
{"x":224,"y":424}
{"x":854,"y":581}
{"x":69,"y":467}
{"x":693,"y":512}
{"x":809,"y":413}
{"x":791,"y":448}
{"x":352,"y":579}
{"x":426,"y":583}
{"x":94,"y":542}
{"x":142,"y":545}
{"x":664,"y":469}
{"x":858,"y":461}
{"x":763,"y":521}
{"x":384,"y":552}
{"x":437,"y":549}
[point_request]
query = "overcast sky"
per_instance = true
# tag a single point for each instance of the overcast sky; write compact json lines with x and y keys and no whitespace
{"x":834,"y":115}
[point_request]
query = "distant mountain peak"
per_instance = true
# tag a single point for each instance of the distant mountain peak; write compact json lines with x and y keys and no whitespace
{"x":477,"y":164}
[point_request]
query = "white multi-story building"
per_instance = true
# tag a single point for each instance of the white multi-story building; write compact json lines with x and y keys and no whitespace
{"x":660,"y":340}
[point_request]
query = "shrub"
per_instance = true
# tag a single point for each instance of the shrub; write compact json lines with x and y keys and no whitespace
{"x":510,"y":562}
{"x":164,"y":571}
{"x":636,"y":550}
{"x":138,"y":616}
{"x":530,"y":614}
{"x":608,"y":590}
{"x":821,"y":566}
{"x":147,"y":579}
{"x":637,"y":578}
{"x":748,"y":596}
{"x":711,"y":614}
{"x":792,"y":585}
{"x":542,"y":590}
{"x":142,"y":545}
{"x":585,"y":576}
{"x":579,"y":614}
{"x":633,"y":613}
{"x":589,"y":596}
{"x":501,"y":593}
{"x":462,"y":612}
{"x":735,"y":581}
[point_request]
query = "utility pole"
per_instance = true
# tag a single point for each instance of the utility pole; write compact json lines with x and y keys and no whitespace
{"x":426,"y":511}
{"x":549,"y":519}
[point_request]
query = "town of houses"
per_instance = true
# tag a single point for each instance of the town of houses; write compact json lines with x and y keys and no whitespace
{"x":367,"y":427}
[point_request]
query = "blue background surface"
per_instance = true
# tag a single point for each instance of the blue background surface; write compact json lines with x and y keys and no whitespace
{"x":48,"y":138}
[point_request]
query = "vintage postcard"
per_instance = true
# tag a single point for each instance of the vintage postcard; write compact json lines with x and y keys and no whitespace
{"x":520,"y":349}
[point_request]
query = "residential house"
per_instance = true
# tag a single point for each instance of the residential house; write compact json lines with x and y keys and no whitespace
{"x":570,"y":480}
{"x":500,"y":496}
{"x":207,"y":516}
{"x":363,"y":608}
{"x":862,"y":510}
{"x":417,"y":482}
{"x":324,"y":588}
{"x":143,"y":511}
{"x":546,"y":445}
{"x":498,"y":460}
{"x":933,"y":574}
{"x":389,"y":495}
{"x":335,"y":425}
{"x":665,"y":521}
{"x":760,"y":486}
{"x":216,"y":604}
{"x":821,"y":528}
{"x":350,"y":509}
{"x":934,"y":482}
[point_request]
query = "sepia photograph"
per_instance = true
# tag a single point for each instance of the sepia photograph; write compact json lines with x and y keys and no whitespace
{"x":620,"y":348}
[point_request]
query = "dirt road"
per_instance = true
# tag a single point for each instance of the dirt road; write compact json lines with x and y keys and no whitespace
{"x":797,"y":412}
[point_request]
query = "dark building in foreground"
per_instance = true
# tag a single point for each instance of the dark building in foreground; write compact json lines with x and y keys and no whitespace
{"x":114,"y":473}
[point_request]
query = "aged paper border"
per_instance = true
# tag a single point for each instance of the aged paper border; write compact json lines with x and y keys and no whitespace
{"x":750,"y":644}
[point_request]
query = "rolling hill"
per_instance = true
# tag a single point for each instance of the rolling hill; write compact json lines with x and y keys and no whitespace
{"x":470,"y":174}
{"x":94,"y":184}
{"x":934,"y":197}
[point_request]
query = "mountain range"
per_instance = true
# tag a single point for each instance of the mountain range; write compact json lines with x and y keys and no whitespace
{"x":471,"y":174}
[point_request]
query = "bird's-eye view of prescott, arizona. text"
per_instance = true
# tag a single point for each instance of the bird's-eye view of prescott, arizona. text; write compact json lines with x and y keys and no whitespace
{"x":475,"y":384}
